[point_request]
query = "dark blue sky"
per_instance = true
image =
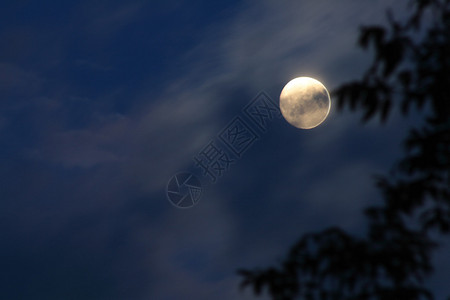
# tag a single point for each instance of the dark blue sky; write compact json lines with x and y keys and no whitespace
{"x":102,"y":102}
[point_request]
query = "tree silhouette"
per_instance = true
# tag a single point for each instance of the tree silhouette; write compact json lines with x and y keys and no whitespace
{"x":411,"y":67}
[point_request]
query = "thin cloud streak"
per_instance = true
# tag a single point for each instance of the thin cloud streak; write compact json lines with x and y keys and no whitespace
{"x":263,"y":47}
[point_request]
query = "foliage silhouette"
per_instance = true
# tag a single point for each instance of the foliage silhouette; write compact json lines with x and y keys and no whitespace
{"x":411,"y":67}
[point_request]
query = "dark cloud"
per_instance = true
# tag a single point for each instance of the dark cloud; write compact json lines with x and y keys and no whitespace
{"x":84,"y":207}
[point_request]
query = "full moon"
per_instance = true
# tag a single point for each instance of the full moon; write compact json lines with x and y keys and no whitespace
{"x":305,"y":102}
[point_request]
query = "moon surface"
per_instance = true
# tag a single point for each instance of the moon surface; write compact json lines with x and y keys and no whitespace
{"x":305,"y":102}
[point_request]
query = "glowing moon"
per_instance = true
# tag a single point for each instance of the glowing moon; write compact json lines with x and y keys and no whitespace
{"x":305,"y":102}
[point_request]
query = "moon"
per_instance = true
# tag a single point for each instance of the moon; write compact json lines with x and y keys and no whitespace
{"x":305,"y":102}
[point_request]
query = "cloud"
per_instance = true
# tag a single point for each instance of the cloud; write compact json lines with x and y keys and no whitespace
{"x":105,"y":19}
{"x":129,"y":157}
{"x":268,"y":40}
{"x":82,"y":148}
{"x":16,"y":79}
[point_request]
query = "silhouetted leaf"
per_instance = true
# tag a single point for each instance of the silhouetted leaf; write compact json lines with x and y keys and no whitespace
{"x":373,"y":34}
{"x":405,"y":78}
{"x":385,"y":109}
{"x":392,"y":55}
{"x":393,"y":258}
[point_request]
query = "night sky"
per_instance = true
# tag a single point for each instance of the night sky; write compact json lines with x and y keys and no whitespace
{"x":102,"y":102}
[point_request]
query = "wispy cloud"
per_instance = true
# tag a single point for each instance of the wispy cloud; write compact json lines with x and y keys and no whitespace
{"x":262,"y":47}
{"x":104,"y":19}
{"x":19,"y":80}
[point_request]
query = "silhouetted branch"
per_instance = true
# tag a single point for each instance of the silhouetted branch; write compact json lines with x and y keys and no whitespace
{"x":393,"y":260}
